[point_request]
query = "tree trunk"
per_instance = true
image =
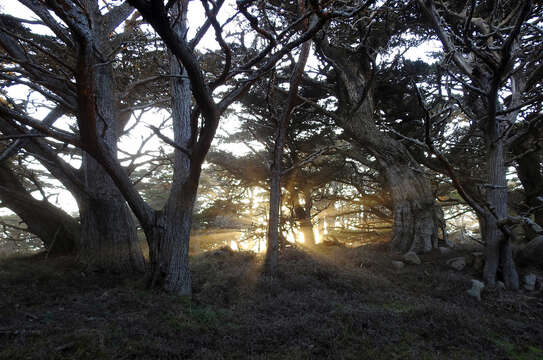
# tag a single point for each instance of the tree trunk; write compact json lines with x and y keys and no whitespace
{"x":415,"y":223}
{"x":170,"y":237}
{"x":270,"y":263}
{"x":307,"y":230}
{"x":498,"y":247}
{"x":108,"y":232}
{"x":306,"y":221}
{"x":58,"y":230}
{"x":169,"y":243}
{"x":275,"y":186}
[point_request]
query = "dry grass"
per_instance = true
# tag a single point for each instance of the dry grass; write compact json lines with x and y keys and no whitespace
{"x":322,"y":304}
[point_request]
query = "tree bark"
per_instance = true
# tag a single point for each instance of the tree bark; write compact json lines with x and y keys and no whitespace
{"x":489,"y":70}
{"x":108,"y":237}
{"x":170,"y":238}
{"x":415,"y":223}
{"x":169,"y":251}
{"x":108,"y":232}
{"x":498,"y":246}
{"x":58,"y":230}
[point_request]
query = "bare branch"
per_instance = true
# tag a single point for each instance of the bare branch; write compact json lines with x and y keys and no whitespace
{"x":170,"y":141}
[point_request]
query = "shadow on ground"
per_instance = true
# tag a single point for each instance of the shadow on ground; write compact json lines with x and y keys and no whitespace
{"x":331,"y":303}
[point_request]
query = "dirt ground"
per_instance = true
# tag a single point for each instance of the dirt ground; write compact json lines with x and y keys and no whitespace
{"x":330,"y":303}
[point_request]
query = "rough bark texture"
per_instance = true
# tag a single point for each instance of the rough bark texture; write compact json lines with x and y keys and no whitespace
{"x":498,"y":251}
{"x":185,"y":183}
{"x":415,"y":224}
{"x":58,"y":230}
{"x":108,"y":236}
{"x":498,"y":246}
{"x":488,"y":71}
{"x":169,"y":238}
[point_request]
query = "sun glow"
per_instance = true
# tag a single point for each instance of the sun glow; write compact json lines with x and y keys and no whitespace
{"x":317,"y":235}
{"x":290,"y":237}
{"x":251,"y":235}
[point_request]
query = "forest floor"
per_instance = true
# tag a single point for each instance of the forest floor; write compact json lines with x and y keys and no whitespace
{"x":332,"y":303}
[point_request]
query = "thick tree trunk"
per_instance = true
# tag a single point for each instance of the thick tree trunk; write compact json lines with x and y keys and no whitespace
{"x":108,"y":232}
{"x":58,"y":230}
{"x":415,"y":223}
{"x":275,"y":186}
{"x":169,"y":252}
{"x":498,"y":247}
{"x":108,"y":237}
{"x":170,"y":237}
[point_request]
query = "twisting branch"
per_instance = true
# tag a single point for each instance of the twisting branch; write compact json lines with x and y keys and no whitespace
{"x":308,"y":159}
{"x":169,"y":141}
{"x":448,"y":167}
{"x":58,"y":134}
{"x":243,"y":6}
{"x":253,"y":150}
{"x":203,"y":29}
{"x":17,"y":145}
{"x":155,"y":13}
{"x":211,"y":15}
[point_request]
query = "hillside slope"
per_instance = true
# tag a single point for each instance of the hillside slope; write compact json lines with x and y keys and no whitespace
{"x":335,"y":303}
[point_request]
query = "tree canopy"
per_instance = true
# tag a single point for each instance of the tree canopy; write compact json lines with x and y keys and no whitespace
{"x":273,"y":123}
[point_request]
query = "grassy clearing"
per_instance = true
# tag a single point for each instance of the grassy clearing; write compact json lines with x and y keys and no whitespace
{"x":334,"y":303}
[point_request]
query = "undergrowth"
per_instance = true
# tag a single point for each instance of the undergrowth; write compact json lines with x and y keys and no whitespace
{"x":331,"y":303}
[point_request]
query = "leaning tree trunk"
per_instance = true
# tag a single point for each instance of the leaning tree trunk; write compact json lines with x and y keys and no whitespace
{"x":415,"y":224}
{"x":58,"y":230}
